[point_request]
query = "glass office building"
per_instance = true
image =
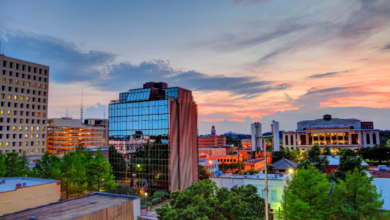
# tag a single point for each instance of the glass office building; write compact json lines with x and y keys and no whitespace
{"x":155,"y":129}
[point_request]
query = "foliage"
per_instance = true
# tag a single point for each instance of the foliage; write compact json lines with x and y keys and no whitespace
{"x":357,"y":197}
{"x":3,"y":169}
{"x":232,"y":166}
{"x":377,"y":153}
{"x":270,"y":169}
{"x":349,"y":161}
{"x":242,"y":203}
{"x":16,"y":165}
{"x":160,"y":194}
{"x":47,"y":167}
{"x":251,"y":172}
{"x":201,"y":200}
{"x":126,"y":191}
{"x":321,"y":163}
{"x":233,"y":141}
{"x":327,"y":151}
{"x":156,"y":200}
{"x":293,"y":155}
{"x":99,"y":173}
{"x":198,"y":201}
{"x":340,"y":151}
{"x":306,"y":195}
{"x":117,"y":162}
{"x":384,"y":137}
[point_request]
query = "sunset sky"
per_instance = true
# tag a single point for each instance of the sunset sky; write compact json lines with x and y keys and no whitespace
{"x":245,"y":60}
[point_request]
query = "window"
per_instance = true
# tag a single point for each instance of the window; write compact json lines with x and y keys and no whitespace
{"x":2,"y":88}
{"x":2,"y":104}
{"x":28,"y":84}
{"x":21,"y":120}
{"x":40,"y":71}
{"x":22,"y":90}
{"x":22,"y":83}
{"x":34,"y":85}
{"x":27,"y":113}
{"x":38,"y":114}
{"x":2,"y":96}
{"x":37,"y":136}
{"x":44,"y":107}
{"x":11,"y":64}
{"x":45,"y":72}
{"x":44,"y":86}
{"x":23,"y":75}
{"x":14,"y":128}
{"x":6,"y":144}
{"x":17,"y":66}
{"x":26,"y":128}
{"x":21,"y":113}
{"x":27,"y":98}
{"x":32,"y":136}
{"x":10,"y":73}
{"x":39,"y":85}
{"x":3,"y":80}
{"x":28,"y":91}
{"x":273,"y":195}
{"x":4,"y":63}
{"x":16,"y":82}
{"x":21,"y":98}
{"x":8,"y":112}
{"x":16,"y":89}
{"x":20,"y":128}
{"x":9,"y":81}
{"x":32,"y":150}
{"x":17,"y":74}
{"x":26,"y":136}
{"x":16,"y":97}
{"x":10,"y":89}
{"x":43,"y":114}
{"x":32,"y":128}
{"x":9,"y":104}
{"x":35,"y":70}
{"x":34,"y":78}
{"x":9,"y":97}
{"x":44,"y":100}
{"x":32,"y":113}
{"x":45,"y":79}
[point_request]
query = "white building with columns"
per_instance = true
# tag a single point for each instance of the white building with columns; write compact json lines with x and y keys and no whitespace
{"x":332,"y":132}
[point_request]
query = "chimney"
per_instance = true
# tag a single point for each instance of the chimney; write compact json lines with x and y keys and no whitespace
{"x":18,"y":186}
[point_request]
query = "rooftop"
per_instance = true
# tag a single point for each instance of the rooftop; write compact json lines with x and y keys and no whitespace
{"x":10,"y":182}
{"x":383,"y":184}
{"x":253,"y":161}
{"x":284,"y":164}
{"x":73,"y":208}
{"x":335,"y":160}
{"x":260,"y":176}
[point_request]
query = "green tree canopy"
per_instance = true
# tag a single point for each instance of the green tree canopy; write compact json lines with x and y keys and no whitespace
{"x":99,"y":173}
{"x":357,"y":198}
{"x":3,"y":169}
{"x":202,"y":199}
{"x":16,"y":165}
{"x":47,"y":167}
{"x":349,"y":161}
{"x":327,"y":150}
{"x":203,"y":172}
{"x":321,"y":163}
{"x":307,"y":195}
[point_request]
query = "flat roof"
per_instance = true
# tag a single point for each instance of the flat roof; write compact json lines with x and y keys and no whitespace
{"x":73,"y":208}
{"x":253,"y":161}
{"x":383,"y":184}
{"x":10,"y":182}
{"x":260,"y":176}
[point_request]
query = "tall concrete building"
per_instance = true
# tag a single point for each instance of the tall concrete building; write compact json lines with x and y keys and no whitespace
{"x":155,"y":128}
{"x":23,"y":109}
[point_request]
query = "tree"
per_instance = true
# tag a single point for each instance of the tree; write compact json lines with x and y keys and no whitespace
{"x":99,"y":173}
{"x":202,"y":199}
{"x":327,"y":150}
{"x":199,"y":201}
{"x":388,"y":142}
{"x":357,"y":197}
{"x":307,"y":195}
{"x":47,"y":167}
{"x":321,"y":163}
{"x":242,"y":203}
{"x":117,"y":162}
{"x":203,"y":172}
{"x":340,"y":151}
{"x":223,"y":167}
{"x":349,"y":161}
{"x":16,"y":165}
{"x":2,"y":165}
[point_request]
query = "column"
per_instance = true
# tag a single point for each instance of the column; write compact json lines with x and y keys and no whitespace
{"x":360,"y":138}
{"x":312,"y":139}
{"x":284,"y":140}
{"x":343,"y":138}
{"x":364,"y":139}
{"x":371,"y":139}
{"x":295,"y":140}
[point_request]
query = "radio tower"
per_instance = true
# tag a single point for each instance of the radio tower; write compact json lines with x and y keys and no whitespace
{"x":81,"y":108}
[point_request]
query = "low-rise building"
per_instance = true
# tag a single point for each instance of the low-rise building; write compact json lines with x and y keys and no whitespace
{"x":276,"y":185}
{"x":96,"y":206}
{"x":211,"y":151}
{"x":208,"y":142}
{"x":256,"y":164}
{"x":64,"y":134}
{"x":211,"y":165}
{"x":246,"y":143}
{"x":19,"y":193}
{"x":97,"y":122}
{"x":284,"y":166}
{"x":332,"y":132}
{"x":227,"y":158}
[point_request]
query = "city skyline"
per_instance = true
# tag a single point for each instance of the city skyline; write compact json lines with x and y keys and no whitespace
{"x":309,"y":59}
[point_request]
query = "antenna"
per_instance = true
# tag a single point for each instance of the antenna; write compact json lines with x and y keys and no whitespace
{"x":81,"y":108}
{"x":66,"y":115}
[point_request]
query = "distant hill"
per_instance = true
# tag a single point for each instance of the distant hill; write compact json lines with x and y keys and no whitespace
{"x":229,"y":133}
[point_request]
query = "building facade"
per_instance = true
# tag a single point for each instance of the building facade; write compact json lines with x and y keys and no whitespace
{"x":155,"y":128}
{"x":24,"y":105}
{"x":210,"y":165}
{"x":246,"y":143}
{"x":97,"y":122}
{"x":19,"y":193}
{"x":332,"y":132}
{"x":64,"y":134}
{"x":211,"y":151}
{"x":207,"y":142}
